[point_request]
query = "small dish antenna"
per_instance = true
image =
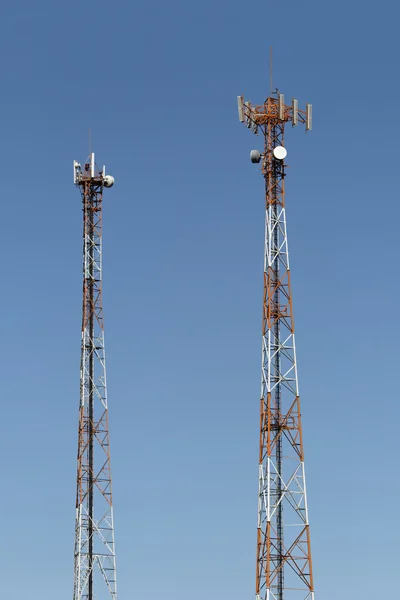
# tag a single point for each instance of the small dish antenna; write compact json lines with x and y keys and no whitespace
{"x":255,"y":156}
{"x":280,"y":152}
{"x":108,"y":181}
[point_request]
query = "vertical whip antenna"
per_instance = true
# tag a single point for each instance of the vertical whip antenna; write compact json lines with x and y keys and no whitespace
{"x":283,"y":565}
{"x":94,"y":555}
{"x":270,"y":69}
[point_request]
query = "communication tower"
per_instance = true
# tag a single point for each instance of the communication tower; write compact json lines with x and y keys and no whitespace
{"x":283,"y":564}
{"x":94,"y":565}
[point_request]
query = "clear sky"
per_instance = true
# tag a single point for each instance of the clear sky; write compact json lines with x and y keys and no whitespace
{"x":183,"y":242}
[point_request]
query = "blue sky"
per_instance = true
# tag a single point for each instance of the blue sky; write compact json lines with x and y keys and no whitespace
{"x":183,"y":241}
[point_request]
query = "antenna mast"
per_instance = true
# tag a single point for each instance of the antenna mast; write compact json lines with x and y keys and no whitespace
{"x":270,"y":69}
{"x":284,"y":567}
{"x":94,"y":570}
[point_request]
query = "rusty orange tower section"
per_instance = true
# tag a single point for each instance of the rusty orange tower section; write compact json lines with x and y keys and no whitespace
{"x":283,"y":565}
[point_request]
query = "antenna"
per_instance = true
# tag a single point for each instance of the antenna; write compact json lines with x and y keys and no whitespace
{"x":281,"y":98}
{"x":240,"y":101}
{"x":308,"y":117}
{"x":279,"y":152}
{"x":295,"y":112}
{"x":90,"y":140}
{"x":270,"y":69}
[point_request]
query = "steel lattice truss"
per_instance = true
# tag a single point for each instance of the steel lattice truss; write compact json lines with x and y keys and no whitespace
{"x":284,"y":569}
{"x":94,"y":570}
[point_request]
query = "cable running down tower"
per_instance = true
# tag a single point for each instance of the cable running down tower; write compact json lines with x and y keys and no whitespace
{"x":94,"y":565}
{"x":283,"y":563}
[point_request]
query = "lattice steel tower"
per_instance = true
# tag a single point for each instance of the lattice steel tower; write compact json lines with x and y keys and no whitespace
{"x":283,"y":566}
{"x":94,"y":568}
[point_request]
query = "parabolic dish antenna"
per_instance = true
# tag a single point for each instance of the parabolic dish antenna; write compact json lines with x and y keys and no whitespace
{"x":280,"y":152}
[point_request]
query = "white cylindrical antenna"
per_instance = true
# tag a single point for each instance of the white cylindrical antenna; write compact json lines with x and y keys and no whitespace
{"x":92,"y":164}
{"x":308,"y":117}
{"x":295,"y":111}
{"x":240,"y":101}
{"x":281,"y":107}
{"x":77,"y":168}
